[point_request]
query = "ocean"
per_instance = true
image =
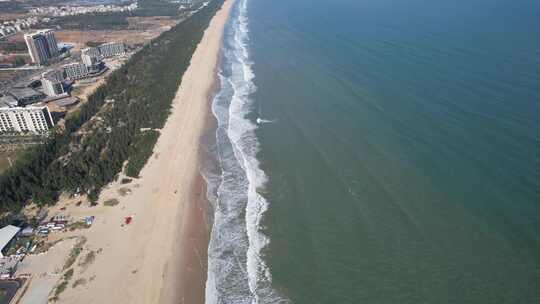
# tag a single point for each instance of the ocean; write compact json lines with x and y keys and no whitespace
{"x":376,"y":152}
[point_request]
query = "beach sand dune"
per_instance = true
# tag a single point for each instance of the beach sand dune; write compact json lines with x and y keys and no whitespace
{"x":142,"y":262}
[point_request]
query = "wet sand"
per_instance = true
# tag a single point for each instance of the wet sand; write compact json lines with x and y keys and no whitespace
{"x":186,"y":277}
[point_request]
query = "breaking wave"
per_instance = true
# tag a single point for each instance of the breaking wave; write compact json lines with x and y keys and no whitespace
{"x":237,"y":272}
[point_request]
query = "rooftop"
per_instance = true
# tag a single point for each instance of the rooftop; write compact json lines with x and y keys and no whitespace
{"x":24,"y":93}
{"x":73,"y":64}
{"x":64,"y":102}
{"x":23,"y":109}
{"x":7,"y":234}
{"x":8,"y":102}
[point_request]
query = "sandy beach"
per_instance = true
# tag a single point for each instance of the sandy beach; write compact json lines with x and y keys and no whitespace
{"x":160,"y":256}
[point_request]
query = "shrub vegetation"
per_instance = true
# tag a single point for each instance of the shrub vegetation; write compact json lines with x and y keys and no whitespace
{"x":111,"y":202}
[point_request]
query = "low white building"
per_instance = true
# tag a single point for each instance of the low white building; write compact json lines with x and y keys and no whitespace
{"x":7,"y":234}
{"x":28,"y":119}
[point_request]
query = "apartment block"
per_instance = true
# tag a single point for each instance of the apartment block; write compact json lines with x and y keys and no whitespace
{"x":91,"y":57}
{"x":37,"y":47}
{"x":76,"y":70}
{"x":52,"y":83}
{"x":112,"y":49}
{"x":41,"y":45}
{"x":28,"y":119}
{"x":51,"y":42}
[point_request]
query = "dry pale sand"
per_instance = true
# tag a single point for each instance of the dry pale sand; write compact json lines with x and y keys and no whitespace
{"x":138,"y":263}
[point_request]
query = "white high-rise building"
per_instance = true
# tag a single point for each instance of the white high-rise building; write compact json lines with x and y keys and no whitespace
{"x":41,"y":45}
{"x":28,"y":119}
{"x":37,"y":47}
{"x":51,"y":41}
{"x":90,"y":57}
{"x":54,"y":74}
{"x":52,"y":83}
{"x":91,"y":51}
{"x":52,"y":87}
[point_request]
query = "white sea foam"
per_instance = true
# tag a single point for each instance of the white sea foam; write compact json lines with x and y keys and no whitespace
{"x":261,"y":121}
{"x":237,"y":271}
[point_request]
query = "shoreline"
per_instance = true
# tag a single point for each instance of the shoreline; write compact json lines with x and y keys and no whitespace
{"x":160,"y":255}
{"x":190,"y":266}
{"x":192,"y":256}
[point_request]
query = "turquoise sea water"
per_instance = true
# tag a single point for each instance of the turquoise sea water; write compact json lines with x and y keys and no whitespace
{"x":398,"y":153}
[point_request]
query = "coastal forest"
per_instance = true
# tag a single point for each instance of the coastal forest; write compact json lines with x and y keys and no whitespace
{"x":120,"y":122}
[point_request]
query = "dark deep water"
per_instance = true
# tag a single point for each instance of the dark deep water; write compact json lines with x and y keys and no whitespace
{"x":403,"y":156}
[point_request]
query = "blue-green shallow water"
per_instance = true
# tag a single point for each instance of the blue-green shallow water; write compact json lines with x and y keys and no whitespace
{"x":404,"y":156}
